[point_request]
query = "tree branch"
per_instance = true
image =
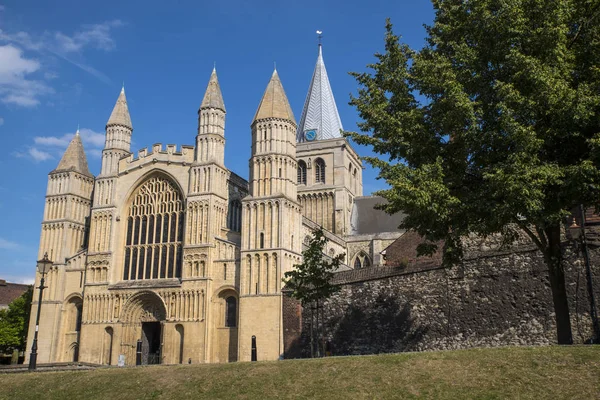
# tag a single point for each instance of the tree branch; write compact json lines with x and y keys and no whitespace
{"x":583,"y":25}
{"x":532,"y":235}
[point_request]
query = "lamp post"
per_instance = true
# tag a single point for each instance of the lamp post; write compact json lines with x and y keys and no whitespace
{"x":578,"y":232}
{"x":43,"y":266}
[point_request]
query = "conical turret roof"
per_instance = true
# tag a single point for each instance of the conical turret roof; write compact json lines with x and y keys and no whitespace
{"x":320,"y":111}
{"x":74,"y":158}
{"x":120,"y":114}
{"x":274,"y":103}
{"x":213,"y":97}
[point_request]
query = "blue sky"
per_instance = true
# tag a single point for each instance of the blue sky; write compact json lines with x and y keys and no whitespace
{"x":62,"y":63}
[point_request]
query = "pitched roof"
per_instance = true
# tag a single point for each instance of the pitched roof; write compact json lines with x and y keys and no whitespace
{"x":320,"y":111}
{"x":366,"y":219}
{"x":74,"y":158}
{"x":120,"y":113}
{"x":213,"y":97}
{"x":10,"y":291}
{"x":274,"y":103}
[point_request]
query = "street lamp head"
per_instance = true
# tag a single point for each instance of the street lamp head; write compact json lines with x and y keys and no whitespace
{"x":44,"y":265}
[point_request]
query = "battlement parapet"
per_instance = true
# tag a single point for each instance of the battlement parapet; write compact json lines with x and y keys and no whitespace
{"x":158,"y":154}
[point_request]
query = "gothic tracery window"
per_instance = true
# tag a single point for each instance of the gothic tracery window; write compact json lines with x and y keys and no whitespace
{"x":153,"y":245}
{"x":319,"y":170}
{"x":301,"y":173}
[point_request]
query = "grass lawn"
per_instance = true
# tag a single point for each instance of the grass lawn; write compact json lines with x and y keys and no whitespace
{"x":570,"y":372}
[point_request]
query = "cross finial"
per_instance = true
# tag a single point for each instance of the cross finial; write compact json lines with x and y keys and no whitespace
{"x":214,"y":65}
{"x":77,"y":133}
{"x":275,"y":65}
{"x":320,"y":36}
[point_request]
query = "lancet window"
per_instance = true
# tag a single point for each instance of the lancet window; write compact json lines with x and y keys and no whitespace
{"x":319,"y":170}
{"x":301,"y":173}
{"x":153,"y":245}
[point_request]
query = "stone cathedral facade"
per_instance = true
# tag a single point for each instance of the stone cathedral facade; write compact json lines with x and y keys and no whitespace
{"x":169,"y":257}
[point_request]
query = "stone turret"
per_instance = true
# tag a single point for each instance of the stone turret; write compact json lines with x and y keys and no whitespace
{"x":210,"y":141}
{"x":74,"y":158}
{"x":273,"y":162}
{"x":271,"y":222}
{"x":118,"y":136}
{"x":68,"y":202}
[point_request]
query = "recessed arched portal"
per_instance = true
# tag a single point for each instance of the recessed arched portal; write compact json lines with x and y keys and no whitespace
{"x":143,"y":319}
{"x":225,"y":324}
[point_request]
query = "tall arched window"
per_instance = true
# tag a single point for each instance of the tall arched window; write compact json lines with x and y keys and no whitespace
{"x":230,"y":312}
{"x":153,"y":245}
{"x":357,"y":264}
{"x":319,"y":170}
{"x":301,"y":173}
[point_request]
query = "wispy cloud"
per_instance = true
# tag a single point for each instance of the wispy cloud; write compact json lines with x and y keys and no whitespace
{"x":46,"y":147}
{"x":34,"y":154}
{"x":22,"y":279}
{"x":8,"y":245}
{"x":16,"y":85}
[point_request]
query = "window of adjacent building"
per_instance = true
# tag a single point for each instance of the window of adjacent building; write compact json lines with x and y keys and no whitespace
{"x":301,"y":173}
{"x":230,"y":312}
{"x":234,"y":217}
{"x":362,"y":260}
{"x":153,"y":245}
{"x":319,"y":170}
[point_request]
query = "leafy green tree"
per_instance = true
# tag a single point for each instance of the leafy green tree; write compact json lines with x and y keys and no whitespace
{"x":14,"y":322}
{"x":310,"y":282}
{"x":493,"y":124}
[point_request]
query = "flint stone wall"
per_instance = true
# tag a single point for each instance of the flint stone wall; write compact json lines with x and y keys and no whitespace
{"x":495,"y":298}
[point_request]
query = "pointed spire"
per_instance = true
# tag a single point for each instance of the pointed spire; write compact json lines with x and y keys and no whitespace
{"x":74,"y":158}
{"x":320,"y":111}
{"x":213,"y":97}
{"x":120,"y":114}
{"x":274,"y":103}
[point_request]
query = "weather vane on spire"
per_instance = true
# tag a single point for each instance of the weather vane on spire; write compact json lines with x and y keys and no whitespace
{"x":320,"y":33}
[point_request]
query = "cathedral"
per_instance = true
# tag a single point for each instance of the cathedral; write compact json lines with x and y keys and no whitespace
{"x":169,"y":257}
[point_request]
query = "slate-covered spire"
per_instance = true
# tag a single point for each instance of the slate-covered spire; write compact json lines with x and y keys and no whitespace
{"x":74,"y":158}
{"x":320,"y":111}
{"x":213,"y":97}
{"x":274,"y":103}
{"x":120,"y":113}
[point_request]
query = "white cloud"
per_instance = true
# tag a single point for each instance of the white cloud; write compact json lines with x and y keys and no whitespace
{"x":44,"y":146}
{"x":97,"y":36}
{"x":1,"y":121}
{"x":22,"y":279}
{"x":8,"y":245}
{"x":34,"y":154}
{"x":16,"y":87}
{"x":66,"y":47}
{"x":88,"y":137}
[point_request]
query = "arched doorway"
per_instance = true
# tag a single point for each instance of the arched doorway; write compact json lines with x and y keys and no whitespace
{"x":143,"y":318}
{"x":71,"y":326}
{"x":226,"y":325}
{"x":108,"y":344}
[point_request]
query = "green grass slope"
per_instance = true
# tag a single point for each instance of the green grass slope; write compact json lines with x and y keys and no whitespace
{"x":516,"y":373}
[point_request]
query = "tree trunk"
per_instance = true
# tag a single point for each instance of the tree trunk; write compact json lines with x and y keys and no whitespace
{"x":312,"y":322}
{"x":553,"y":258}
